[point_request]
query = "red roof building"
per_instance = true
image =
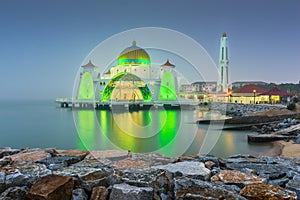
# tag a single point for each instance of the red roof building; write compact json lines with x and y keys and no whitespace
{"x":276,"y":92}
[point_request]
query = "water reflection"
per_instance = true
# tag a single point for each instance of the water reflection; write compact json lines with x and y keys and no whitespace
{"x":168,"y":132}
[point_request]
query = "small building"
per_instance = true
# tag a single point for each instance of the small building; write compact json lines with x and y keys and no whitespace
{"x":275,"y":95}
{"x":248,"y":94}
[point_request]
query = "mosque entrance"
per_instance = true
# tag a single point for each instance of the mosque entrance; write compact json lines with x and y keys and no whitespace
{"x":126,"y":87}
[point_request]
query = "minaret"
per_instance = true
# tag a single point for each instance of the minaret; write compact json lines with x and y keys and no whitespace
{"x":223,"y":65}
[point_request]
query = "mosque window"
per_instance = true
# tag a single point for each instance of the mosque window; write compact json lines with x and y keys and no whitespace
{"x":100,"y":83}
{"x":226,"y":53}
{"x":222,"y":53}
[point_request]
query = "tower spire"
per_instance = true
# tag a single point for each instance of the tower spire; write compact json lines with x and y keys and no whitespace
{"x":223,"y":65}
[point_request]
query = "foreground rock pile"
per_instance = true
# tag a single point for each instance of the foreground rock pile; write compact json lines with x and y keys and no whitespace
{"x":79,"y":175}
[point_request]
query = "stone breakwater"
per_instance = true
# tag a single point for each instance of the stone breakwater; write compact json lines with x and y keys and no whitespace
{"x":116,"y":175}
{"x":238,"y":109}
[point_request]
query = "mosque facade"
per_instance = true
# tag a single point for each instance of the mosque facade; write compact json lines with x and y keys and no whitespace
{"x":133,"y":79}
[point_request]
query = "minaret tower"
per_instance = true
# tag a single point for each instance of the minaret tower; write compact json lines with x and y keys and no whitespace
{"x":223,"y":65}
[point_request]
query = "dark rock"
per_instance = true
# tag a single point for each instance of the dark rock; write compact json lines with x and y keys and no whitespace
{"x":99,"y":193}
{"x":79,"y":194}
{"x":52,"y":187}
{"x":268,"y":171}
{"x":153,"y":159}
{"x":14,"y":193}
{"x":188,"y":169}
{"x":267,"y":191}
{"x":294,"y":185}
{"x":8,"y":151}
{"x":163,"y":185}
{"x":58,"y":162}
{"x":186,"y":188}
{"x":127,"y":192}
{"x":279,"y":182}
{"x":6,"y":160}
{"x":233,"y":177}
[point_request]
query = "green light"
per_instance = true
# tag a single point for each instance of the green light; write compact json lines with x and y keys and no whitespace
{"x":167,"y":87}
{"x":138,"y":61}
{"x":130,"y":78}
{"x":86,"y":129}
{"x":86,"y":88}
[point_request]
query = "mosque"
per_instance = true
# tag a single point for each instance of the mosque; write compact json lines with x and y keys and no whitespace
{"x":133,"y":79}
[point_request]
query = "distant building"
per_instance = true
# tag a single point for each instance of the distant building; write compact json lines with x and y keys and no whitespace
{"x":239,"y":84}
{"x":205,"y":86}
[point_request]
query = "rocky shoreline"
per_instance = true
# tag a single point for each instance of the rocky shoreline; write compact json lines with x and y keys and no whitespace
{"x":116,"y":174}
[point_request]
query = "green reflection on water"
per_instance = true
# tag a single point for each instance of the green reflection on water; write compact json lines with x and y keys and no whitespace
{"x":123,"y":130}
{"x":86,"y":129}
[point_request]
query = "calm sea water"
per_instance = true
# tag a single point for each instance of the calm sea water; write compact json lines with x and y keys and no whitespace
{"x":43,"y":124}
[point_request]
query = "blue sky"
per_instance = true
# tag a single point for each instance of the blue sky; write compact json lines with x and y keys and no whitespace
{"x":42,"y":43}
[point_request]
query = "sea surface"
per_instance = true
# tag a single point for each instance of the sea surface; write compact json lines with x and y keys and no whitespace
{"x":42,"y":124}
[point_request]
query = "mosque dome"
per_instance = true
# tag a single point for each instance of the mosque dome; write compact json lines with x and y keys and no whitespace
{"x":134,"y":55}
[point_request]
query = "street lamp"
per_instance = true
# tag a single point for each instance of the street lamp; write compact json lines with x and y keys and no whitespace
{"x":254,"y":91}
{"x":230,"y":92}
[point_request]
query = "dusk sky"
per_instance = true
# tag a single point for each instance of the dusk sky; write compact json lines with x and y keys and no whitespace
{"x":43,"y":43}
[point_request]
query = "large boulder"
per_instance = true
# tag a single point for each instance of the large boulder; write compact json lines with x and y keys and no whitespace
{"x":233,"y":177}
{"x":32,"y":155}
{"x":188,"y":169}
{"x":52,"y":187}
{"x":72,"y":152}
{"x":128,"y":192}
{"x":109,"y":154}
{"x":186,"y":188}
{"x":267,"y":191}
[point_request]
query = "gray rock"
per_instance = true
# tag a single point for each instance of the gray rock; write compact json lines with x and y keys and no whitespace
{"x":298,"y":139}
{"x":294,"y":122}
{"x":188,"y":169}
{"x":186,"y":188}
{"x":294,"y":185}
{"x":79,"y":194}
{"x":24,"y":174}
{"x":14,"y":193}
{"x":139,"y":177}
{"x":128,"y":192}
{"x":279,"y":182}
{"x":87,"y":177}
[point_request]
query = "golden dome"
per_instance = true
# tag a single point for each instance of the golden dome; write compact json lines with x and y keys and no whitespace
{"x":134,"y":55}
